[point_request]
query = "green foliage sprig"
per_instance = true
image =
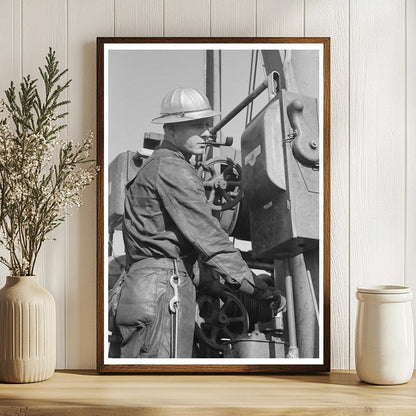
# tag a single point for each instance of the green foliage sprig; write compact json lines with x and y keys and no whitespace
{"x":41,"y":175}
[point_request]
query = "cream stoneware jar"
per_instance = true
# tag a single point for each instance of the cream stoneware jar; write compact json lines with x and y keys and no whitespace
{"x":384,"y":337}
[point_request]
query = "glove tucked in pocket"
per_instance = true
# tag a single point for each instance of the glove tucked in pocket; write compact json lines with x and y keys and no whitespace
{"x":113,"y":299}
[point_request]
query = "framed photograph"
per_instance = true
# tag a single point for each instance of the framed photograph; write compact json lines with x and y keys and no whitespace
{"x":213,"y":249}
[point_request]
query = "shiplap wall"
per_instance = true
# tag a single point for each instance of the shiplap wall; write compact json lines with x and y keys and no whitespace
{"x":373,"y":129}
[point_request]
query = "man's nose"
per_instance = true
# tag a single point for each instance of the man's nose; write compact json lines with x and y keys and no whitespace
{"x":206,"y":134}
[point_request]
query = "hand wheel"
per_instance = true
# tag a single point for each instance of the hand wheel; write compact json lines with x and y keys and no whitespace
{"x":222,"y":183}
{"x":220,"y":320}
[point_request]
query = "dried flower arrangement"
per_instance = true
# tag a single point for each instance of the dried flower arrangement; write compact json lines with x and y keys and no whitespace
{"x":42,"y":176}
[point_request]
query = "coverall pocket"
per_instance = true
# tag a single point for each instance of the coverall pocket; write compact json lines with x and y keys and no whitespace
{"x":139,"y":297}
{"x":113,"y":300}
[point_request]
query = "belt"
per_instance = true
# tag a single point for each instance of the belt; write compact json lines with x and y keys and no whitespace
{"x":162,"y":263}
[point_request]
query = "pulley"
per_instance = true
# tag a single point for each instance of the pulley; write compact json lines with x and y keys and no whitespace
{"x":220,"y":320}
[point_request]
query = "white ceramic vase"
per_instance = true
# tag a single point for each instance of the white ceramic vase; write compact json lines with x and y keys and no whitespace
{"x":384,"y":337}
{"x":27,"y":331}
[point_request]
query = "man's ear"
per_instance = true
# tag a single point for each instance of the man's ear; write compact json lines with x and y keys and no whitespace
{"x":169,"y":128}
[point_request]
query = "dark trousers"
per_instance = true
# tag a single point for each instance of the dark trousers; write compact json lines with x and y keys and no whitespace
{"x":143,"y":316}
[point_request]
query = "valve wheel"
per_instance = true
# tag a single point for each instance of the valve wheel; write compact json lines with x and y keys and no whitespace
{"x":220,"y":320}
{"x":222,"y":183}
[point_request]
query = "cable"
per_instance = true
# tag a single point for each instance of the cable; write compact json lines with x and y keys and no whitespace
{"x":254,"y":84}
{"x":249,"y":84}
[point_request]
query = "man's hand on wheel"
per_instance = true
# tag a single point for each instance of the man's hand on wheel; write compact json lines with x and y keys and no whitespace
{"x":269,"y":294}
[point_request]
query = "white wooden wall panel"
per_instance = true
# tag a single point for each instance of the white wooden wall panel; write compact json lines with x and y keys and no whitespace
{"x":187,"y":18}
{"x":280,"y":18}
{"x":233,"y":18}
{"x":138,"y":18}
{"x":44,"y":25}
{"x":10,"y":43}
{"x":10,"y":65}
{"x":86,"y":20}
{"x":377,"y":139}
{"x":6,"y":44}
{"x":330,"y":18}
{"x":411,"y":151}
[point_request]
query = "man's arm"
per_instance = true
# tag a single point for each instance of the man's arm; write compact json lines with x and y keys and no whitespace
{"x":183,"y":196}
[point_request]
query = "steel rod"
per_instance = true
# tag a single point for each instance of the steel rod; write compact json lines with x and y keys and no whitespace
{"x":263,"y":86}
{"x":293,"y":344}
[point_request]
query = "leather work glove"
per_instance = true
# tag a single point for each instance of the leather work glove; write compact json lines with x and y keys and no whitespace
{"x":213,"y":288}
{"x":269,"y":294}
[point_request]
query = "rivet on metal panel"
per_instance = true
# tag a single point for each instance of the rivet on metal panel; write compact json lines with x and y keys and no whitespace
{"x":313,"y":144}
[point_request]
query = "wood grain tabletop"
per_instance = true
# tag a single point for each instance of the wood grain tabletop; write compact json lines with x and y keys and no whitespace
{"x":87,"y":393}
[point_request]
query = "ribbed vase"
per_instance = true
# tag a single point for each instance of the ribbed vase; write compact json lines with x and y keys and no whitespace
{"x":27,"y":331}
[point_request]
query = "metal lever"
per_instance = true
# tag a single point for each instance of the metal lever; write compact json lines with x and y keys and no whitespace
{"x":228,"y":142}
{"x":271,"y":82}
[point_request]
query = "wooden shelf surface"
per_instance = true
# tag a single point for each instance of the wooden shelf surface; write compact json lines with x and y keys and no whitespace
{"x":87,"y":393}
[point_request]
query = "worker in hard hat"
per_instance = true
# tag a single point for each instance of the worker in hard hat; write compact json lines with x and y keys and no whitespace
{"x":167,"y":224}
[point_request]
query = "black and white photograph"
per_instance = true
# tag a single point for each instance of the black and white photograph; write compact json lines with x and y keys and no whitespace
{"x":213,"y":251}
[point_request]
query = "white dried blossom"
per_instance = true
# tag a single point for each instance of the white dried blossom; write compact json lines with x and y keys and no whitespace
{"x":38,"y":188}
{"x":42,"y":175}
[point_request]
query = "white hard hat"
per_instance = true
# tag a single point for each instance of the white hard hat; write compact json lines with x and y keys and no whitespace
{"x":184,"y":104}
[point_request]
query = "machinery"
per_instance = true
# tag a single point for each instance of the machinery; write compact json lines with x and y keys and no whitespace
{"x":269,"y":196}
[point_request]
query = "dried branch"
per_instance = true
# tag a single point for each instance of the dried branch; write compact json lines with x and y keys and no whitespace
{"x":41,"y":176}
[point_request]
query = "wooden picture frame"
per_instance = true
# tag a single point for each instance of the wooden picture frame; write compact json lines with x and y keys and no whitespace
{"x":133,"y":74}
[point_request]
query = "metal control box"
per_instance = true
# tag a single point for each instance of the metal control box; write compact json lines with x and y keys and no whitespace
{"x":121,"y":170}
{"x":280,"y":189}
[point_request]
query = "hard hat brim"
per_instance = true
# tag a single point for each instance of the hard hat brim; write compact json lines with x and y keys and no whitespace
{"x":187,"y":116}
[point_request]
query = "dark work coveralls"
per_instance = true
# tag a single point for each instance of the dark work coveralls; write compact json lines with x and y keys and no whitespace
{"x":167,"y":217}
